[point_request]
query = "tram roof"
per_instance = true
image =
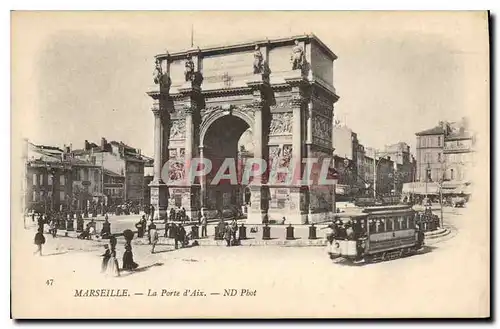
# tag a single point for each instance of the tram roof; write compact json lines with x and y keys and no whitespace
{"x":386,"y":208}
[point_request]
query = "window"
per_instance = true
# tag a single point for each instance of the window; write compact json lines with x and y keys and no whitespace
{"x":452,"y":174}
{"x":85,"y":174}
{"x":76,"y":175}
{"x":96,"y":176}
{"x":61,"y":180}
{"x":50,"y":178}
{"x":381,"y":225}
{"x":62,"y":196}
{"x":397,"y":223}
{"x":389,"y":224}
{"x":411,"y":223}
{"x":439,"y":157}
{"x":439,"y":140}
{"x":35,"y":180}
{"x":422,"y":142}
{"x":40,"y":182}
{"x":404,"y":223}
{"x":34,"y":195}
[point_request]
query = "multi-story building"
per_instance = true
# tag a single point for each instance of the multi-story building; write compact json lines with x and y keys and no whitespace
{"x":384,"y":169}
{"x":445,"y":153}
{"x":404,"y":165}
{"x":148,"y":178}
{"x":458,"y":155}
{"x":348,"y":160}
{"x":118,"y":159}
{"x":430,"y":144}
{"x":114,"y":187}
{"x":48,"y":184}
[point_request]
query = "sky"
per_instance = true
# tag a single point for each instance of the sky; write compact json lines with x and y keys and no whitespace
{"x":83,"y":76}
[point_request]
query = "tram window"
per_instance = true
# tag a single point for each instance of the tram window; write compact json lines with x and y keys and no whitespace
{"x":397,"y":223}
{"x":411,"y":223}
{"x":389,"y":224}
{"x":404,"y":223}
{"x":372,"y":225}
{"x":381,"y":225}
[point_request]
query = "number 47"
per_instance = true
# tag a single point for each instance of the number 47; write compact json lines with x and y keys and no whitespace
{"x":49,"y":282}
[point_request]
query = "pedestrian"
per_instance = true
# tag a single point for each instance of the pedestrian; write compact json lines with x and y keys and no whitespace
{"x":39,"y":241}
{"x":105,"y":258}
{"x":53,"y":228}
{"x":175,"y":232}
{"x":33,"y":217}
{"x":112,"y":267}
{"x":234,"y":229}
{"x":166,"y":228}
{"x":183,"y":215}
{"x":152,"y":212}
{"x":182,"y":235}
{"x":154,"y":238}
{"x":204,"y":224}
{"x":106,"y":228}
{"x":140,"y":227}
{"x":151,"y":226}
{"x":172,"y":214}
{"x":90,"y":230}
{"x":227,"y":234}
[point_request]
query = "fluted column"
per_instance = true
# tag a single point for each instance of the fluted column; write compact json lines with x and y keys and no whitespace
{"x":158,"y":143}
{"x":189,"y":139}
{"x":202,"y":179}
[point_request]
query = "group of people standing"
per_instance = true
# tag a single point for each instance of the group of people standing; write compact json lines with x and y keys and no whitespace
{"x":228,"y":232}
{"x":110,"y":265}
{"x":178,"y":215}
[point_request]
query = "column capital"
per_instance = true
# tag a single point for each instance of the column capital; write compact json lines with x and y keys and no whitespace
{"x":189,"y":109}
{"x":157,"y":110}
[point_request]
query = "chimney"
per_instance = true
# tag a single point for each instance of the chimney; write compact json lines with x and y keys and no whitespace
{"x":103,"y":143}
{"x":87,"y":145}
{"x":139,"y":151}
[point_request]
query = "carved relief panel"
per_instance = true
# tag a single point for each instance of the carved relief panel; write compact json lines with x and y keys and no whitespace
{"x":176,"y":165}
{"x":322,"y":131}
{"x":281,"y":124}
{"x":177,"y":129}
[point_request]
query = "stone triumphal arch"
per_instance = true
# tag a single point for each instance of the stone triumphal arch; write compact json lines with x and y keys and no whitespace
{"x":205,"y":99}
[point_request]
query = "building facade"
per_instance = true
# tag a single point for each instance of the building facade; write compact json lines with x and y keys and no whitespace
{"x":48,"y":184}
{"x":123,"y":169}
{"x":445,"y":153}
{"x":404,"y":164}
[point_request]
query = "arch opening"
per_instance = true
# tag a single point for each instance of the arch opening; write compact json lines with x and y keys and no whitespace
{"x":228,"y":140}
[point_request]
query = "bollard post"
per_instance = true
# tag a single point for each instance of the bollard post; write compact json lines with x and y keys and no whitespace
{"x":289,"y":232}
{"x":312,"y":232}
{"x":266,"y":232}
{"x":243,"y":232}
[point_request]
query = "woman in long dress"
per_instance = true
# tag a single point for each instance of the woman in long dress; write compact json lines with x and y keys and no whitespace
{"x":128,"y":258}
{"x":112,"y":269}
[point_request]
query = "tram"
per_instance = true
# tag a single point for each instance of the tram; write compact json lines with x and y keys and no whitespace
{"x":376,"y":234}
